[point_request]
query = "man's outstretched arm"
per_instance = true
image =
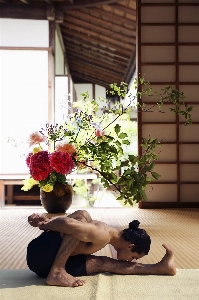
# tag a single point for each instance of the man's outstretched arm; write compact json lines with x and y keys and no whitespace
{"x":37,"y":220}
{"x":79,"y":225}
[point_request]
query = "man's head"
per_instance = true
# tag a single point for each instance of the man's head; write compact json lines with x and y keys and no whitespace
{"x":138,"y":242}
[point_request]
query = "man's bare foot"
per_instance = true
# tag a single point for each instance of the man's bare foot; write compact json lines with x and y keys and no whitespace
{"x":59,"y":277}
{"x":36,"y":220}
{"x":167,"y":265}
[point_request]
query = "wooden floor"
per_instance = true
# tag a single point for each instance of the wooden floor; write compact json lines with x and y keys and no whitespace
{"x":179,"y":228}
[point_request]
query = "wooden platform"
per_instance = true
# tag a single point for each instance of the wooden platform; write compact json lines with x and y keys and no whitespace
{"x":177,"y":227}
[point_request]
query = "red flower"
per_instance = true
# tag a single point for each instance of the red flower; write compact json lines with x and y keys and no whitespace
{"x":28,"y":159}
{"x":40,"y":165}
{"x":61,"y":162}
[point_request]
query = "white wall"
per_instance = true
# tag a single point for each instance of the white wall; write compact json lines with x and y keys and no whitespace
{"x":23,"y":88}
{"x":24,"y":33}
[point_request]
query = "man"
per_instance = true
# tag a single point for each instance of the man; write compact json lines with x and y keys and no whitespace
{"x":64,"y":249}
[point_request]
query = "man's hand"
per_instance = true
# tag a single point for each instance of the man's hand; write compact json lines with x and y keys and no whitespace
{"x":36,"y":220}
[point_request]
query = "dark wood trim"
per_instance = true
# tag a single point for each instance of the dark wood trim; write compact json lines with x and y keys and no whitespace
{"x":85,"y":3}
{"x":36,"y":12}
{"x":155,"y":205}
{"x":24,"y":198}
{"x":21,"y":11}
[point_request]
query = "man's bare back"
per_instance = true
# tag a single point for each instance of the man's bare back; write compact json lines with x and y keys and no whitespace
{"x":90,"y":247}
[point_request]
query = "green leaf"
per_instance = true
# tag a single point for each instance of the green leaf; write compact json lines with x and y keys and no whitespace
{"x":117,"y":128}
{"x":143,"y":194}
{"x":122,"y":135}
{"x":155,"y":175}
{"x":126,"y":142}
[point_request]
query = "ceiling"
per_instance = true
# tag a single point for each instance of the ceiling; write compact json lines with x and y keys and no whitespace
{"x":99,"y":36}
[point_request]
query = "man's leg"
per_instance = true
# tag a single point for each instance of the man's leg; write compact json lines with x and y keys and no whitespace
{"x":58,"y":275}
{"x":100,"y":264}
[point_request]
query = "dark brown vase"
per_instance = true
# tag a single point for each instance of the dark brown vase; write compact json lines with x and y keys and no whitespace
{"x":58,"y":200}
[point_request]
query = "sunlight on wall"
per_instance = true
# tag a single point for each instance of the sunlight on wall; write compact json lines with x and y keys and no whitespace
{"x":23,"y":103}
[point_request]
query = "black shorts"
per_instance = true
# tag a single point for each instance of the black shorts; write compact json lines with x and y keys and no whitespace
{"x":42,"y":251}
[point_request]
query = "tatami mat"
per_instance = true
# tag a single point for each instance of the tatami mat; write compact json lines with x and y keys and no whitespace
{"x":176,"y":227}
{"x":24,"y":284}
{"x":179,"y":228}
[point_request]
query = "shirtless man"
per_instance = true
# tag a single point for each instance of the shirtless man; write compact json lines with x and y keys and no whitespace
{"x":64,"y":249}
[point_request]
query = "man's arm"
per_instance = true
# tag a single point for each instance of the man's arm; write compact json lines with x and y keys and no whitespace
{"x":37,"y":220}
{"x":86,"y":232}
{"x":78,"y":224}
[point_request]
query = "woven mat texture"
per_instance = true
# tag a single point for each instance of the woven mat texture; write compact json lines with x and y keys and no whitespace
{"x":179,"y":228}
{"x":23,"y":285}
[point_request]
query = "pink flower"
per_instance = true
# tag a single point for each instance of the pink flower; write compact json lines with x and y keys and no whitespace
{"x":36,"y":138}
{"x":61,"y":162}
{"x":66,"y":147}
{"x":39,"y":165}
{"x":99,"y":132}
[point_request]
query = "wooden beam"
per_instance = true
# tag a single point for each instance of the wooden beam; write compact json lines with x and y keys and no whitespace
{"x":89,"y":54}
{"x":79,"y":78}
{"x":85,"y":3}
{"x":21,"y":11}
{"x":81,"y":25}
{"x":92,"y":44}
{"x":124,"y":9}
{"x":51,"y":13}
{"x":102,"y":39}
{"x":109,"y":25}
{"x":54,"y":15}
{"x":110,"y":16}
{"x":101,"y":43}
{"x":95,"y":62}
{"x":93,"y":70}
{"x":90,"y":79}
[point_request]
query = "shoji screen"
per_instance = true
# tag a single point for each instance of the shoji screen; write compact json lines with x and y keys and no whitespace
{"x":168,"y":53}
{"x":24,"y":84}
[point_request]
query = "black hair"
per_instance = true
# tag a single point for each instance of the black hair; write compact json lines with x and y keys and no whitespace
{"x":137,"y":236}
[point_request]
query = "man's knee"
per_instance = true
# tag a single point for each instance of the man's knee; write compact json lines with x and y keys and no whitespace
{"x":81,"y":215}
{"x":85,"y":216}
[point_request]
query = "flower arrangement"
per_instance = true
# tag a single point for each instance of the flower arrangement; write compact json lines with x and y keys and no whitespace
{"x":97,"y":142}
{"x":46,"y":167}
